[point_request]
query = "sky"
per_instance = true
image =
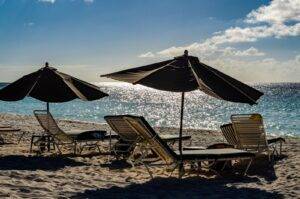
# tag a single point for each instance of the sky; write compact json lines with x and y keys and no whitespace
{"x":251,"y":40}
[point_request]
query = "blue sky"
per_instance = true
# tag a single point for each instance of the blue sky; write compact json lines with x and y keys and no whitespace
{"x":254,"y":41}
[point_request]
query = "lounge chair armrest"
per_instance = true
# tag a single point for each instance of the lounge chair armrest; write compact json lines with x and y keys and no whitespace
{"x":275,"y":140}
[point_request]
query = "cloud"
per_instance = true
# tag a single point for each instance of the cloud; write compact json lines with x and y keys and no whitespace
{"x":275,"y":16}
{"x":196,"y":48}
{"x":297,"y":59}
{"x":88,"y":1}
{"x":278,"y":19}
{"x":252,"y":34}
{"x":47,"y":1}
{"x":147,"y":55}
{"x":53,"y":1}
{"x":265,"y":70}
{"x":29,"y":24}
{"x":278,"y":11}
{"x":229,"y":51}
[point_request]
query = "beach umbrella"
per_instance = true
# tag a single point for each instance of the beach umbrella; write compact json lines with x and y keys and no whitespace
{"x":186,"y":73}
{"x":49,"y":85}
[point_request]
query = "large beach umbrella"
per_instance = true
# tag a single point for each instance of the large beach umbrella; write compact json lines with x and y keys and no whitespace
{"x":49,"y":85}
{"x":186,"y":73}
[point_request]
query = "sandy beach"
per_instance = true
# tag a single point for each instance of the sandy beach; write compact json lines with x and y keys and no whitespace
{"x":91,"y":175}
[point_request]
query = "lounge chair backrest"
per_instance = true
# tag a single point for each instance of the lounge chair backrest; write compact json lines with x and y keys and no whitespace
{"x":250,"y":132}
{"x":50,"y":126}
{"x":141,"y":126}
{"x":229,"y":134}
{"x":121,"y":127}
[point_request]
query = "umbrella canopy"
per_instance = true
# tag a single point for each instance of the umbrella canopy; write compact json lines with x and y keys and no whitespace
{"x":49,"y":85}
{"x":186,"y":73}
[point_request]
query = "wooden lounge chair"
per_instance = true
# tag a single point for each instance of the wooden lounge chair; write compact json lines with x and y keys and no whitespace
{"x":172,"y":158}
{"x":5,"y":126}
{"x":229,"y":134}
{"x":10,"y":129}
{"x":77,"y":139}
{"x":247,"y":133}
{"x":129,"y":138}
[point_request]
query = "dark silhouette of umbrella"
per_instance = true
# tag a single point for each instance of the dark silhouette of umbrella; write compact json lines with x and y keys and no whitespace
{"x":186,"y":73}
{"x":49,"y":85}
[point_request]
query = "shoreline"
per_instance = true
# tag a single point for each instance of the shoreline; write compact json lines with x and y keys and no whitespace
{"x":99,"y":176}
{"x":157,"y":127}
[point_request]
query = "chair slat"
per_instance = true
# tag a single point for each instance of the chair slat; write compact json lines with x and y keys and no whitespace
{"x":250,"y":132}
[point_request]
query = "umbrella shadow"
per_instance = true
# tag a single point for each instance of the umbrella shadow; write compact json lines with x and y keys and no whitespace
{"x":32,"y":163}
{"x":261,"y":167}
{"x":193,"y":187}
{"x":117,"y":165}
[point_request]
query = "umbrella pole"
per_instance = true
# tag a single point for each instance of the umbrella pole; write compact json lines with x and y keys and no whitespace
{"x":47,"y":107}
{"x":181,"y":118}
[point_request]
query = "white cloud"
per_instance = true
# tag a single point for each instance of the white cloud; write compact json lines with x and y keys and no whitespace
{"x":297,"y":59}
{"x":229,"y":51}
{"x":47,"y":1}
{"x":196,"y":48}
{"x":147,"y":55}
{"x":53,"y":1}
{"x":278,"y":11}
{"x":88,"y":1}
{"x":265,"y":70}
{"x":29,"y":24}
{"x":277,"y":20}
{"x":252,"y":34}
{"x":275,"y":15}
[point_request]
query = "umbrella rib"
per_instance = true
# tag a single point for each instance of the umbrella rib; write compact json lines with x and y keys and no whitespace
{"x":76,"y":92}
{"x":230,"y":84}
{"x":137,"y":81}
{"x":37,"y":79}
{"x":206,"y":87}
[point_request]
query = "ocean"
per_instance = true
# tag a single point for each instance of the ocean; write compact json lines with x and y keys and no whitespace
{"x":279,"y":106}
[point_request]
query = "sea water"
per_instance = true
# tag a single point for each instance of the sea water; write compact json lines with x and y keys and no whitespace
{"x":279,"y":106}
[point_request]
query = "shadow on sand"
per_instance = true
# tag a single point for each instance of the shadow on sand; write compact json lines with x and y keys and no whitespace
{"x":19,"y":162}
{"x":117,"y":165}
{"x":262,"y":168}
{"x":194,"y":187}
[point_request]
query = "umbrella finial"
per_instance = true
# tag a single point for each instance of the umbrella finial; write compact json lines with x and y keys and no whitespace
{"x":46,"y":64}
{"x":186,"y":53}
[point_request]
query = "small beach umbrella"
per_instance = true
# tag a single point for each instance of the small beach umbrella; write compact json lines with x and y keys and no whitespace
{"x":186,"y":73}
{"x":49,"y":85}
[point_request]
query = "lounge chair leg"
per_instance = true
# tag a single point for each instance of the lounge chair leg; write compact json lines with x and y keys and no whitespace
{"x":180,"y":170}
{"x":225,"y":163}
{"x":131,"y":159}
{"x":31,"y":143}
{"x":98,"y":148}
{"x":75,"y":148}
{"x":59,"y":151}
{"x":173,"y":169}
{"x":80,"y":149}
{"x":280,"y":148}
{"x":148,"y":169}
{"x":248,"y":166}
{"x":215,"y":172}
{"x":21,"y":137}
{"x":1,"y":140}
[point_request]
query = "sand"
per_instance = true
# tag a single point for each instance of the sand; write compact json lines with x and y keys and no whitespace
{"x":93,"y":175}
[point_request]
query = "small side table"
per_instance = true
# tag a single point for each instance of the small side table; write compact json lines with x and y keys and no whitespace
{"x":43,"y":142}
{"x":8,"y":129}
